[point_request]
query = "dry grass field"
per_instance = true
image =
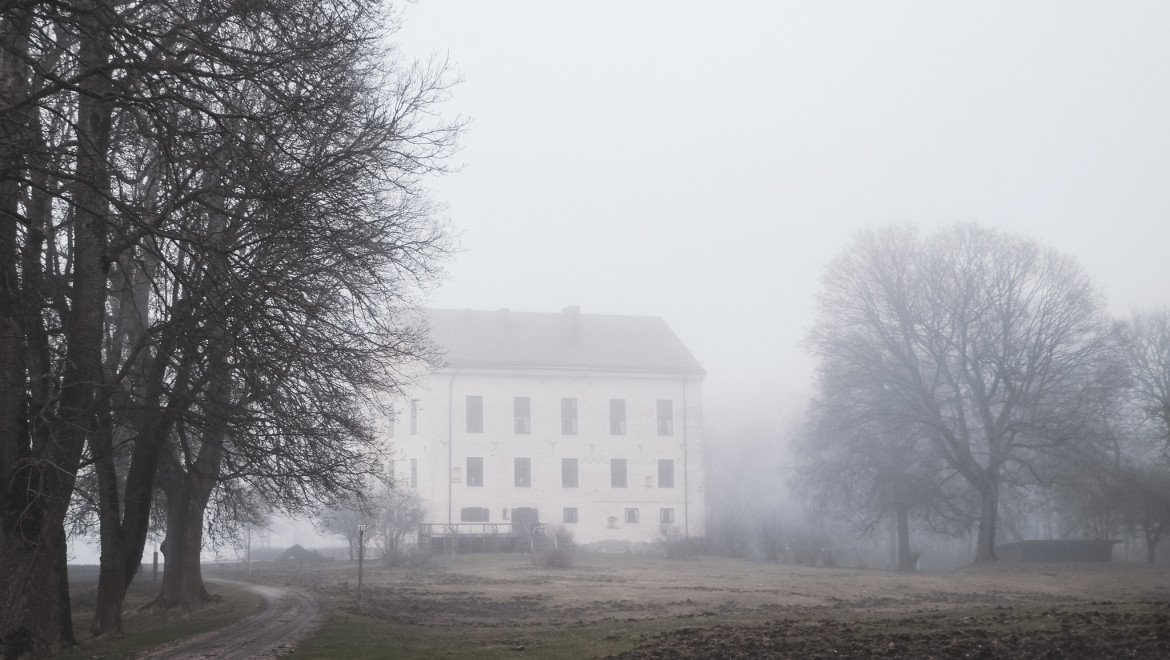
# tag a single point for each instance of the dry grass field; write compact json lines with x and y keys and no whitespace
{"x":637,"y":606}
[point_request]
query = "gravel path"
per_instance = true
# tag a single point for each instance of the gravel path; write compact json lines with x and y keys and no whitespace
{"x":286,"y":617}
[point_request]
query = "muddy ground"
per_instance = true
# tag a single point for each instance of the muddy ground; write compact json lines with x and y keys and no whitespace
{"x":723,"y":608}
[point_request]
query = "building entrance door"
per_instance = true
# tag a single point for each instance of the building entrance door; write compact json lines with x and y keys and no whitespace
{"x":525,"y":516}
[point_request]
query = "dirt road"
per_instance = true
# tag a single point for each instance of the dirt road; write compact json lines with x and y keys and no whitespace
{"x":286,"y":617}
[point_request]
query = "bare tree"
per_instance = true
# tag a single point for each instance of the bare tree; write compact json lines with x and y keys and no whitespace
{"x":864,"y":465}
{"x":155,"y":158}
{"x":1146,"y":341}
{"x":354,"y":521}
{"x":1146,"y":345}
{"x":989,"y":345}
{"x":400,"y":512}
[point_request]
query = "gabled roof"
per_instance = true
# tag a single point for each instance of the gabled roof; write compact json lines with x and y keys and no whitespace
{"x":565,"y":340}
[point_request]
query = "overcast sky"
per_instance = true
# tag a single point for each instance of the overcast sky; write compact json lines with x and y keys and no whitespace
{"x":703,"y":161}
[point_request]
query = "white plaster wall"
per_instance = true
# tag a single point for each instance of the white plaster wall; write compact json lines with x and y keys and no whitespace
{"x":442,"y":442}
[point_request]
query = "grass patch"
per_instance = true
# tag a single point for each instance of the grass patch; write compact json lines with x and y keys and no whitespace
{"x":148,"y":628}
{"x":355,"y":636}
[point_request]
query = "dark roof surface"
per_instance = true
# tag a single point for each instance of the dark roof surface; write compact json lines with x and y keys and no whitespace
{"x":568,"y":339}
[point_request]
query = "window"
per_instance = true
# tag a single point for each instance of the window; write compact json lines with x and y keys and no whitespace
{"x":521,"y":407}
{"x":569,"y":416}
{"x":474,"y":414}
{"x":473,"y":514}
{"x":414,"y":473}
{"x":611,"y":522}
{"x":413,"y":417}
{"x":475,"y":471}
{"x":632,"y":515}
{"x":666,"y":515}
{"x":617,"y":473}
{"x":617,"y":416}
{"x":665,"y":417}
{"x":666,"y":473}
{"x":569,"y":473}
{"x":523,"y":472}
{"x":570,"y":514}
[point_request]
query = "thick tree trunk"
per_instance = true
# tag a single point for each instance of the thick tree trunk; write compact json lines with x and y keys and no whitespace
{"x":188,"y":491}
{"x":34,"y":620}
{"x":182,"y":583}
{"x":906,"y":557}
{"x":988,"y":520}
{"x":39,"y":471}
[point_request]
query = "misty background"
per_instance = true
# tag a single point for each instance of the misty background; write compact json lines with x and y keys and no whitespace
{"x":703,"y":162}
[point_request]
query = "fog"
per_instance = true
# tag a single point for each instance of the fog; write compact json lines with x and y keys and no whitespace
{"x":703,"y":162}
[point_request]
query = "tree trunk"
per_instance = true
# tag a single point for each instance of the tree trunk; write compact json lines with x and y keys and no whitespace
{"x":124,"y":512}
{"x":187,"y":495}
{"x":33,"y":616}
{"x":123,"y":540}
{"x":182,"y":581}
{"x":39,"y":472}
{"x":906,"y":558}
{"x":988,"y":519}
{"x":1153,"y":535}
{"x":188,"y":491}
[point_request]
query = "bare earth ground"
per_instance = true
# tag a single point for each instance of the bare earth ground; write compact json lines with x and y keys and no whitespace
{"x":725,"y":608}
{"x":286,"y":616}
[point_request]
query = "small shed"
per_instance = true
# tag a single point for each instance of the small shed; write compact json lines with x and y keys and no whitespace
{"x":297,"y":554}
{"x":1068,"y":550}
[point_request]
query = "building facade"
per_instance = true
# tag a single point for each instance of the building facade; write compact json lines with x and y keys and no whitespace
{"x":589,"y":421}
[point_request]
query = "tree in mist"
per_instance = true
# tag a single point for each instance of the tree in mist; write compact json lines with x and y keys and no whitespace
{"x":1141,"y":487}
{"x":354,"y":521}
{"x":399,"y":515}
{"x":1105,"y":498}
{"x":1146,"y":343}
{"x":197,"y":204}
{"x":1122,"y":480}
{"x":389,"y":516}
{"x":864,"y":468}
{"x":986,"y":344}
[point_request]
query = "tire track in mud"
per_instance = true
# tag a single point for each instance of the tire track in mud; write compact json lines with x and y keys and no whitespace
{"x":286,"y":617}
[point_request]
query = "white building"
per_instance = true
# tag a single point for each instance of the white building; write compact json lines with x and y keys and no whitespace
{"x":590,"y":421}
